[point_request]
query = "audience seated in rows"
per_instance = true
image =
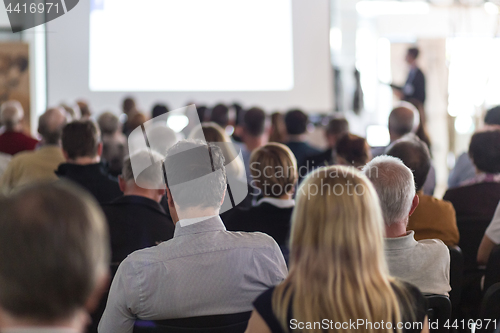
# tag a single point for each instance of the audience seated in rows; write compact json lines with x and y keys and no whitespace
{"x":433,"y":218}
{"x":274,"y":173}
{"x":337,"y":265}
{"x":424,"y":263}
{"x":13,"y":140}
{"x":296,"y":123}
{"x":82,"y":148}
{"x":335,"y":130}
{"x":464,"y":167}
{"x":203,"y":269}
{"x":353,"y":150}
{"x":253,"y":135}
{"x":478,"y":197}
{"x":137,"y":220}
{"x":403,"y":121}
{"x":39,"y":165}
{"x":114,"y":143}
{"x":55,"y":257}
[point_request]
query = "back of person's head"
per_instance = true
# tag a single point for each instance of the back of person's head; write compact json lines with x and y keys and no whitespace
{"x":492,"y":116}
{"x":337,"y":244}
{"x":136,"y":119}
{"x":415,"y":155}
{"x":413,"y":52}
{"x":196,"y":175}
{"x":128,"y":104}
{"x":484,"y":150}
{"x":395,"y":187}
{"x":254,"y":122}
{"x":158,"y":110}
{"x":11,"y":114}
{"x":277,"y":131}
{"x":337,"y":126}
{"x":149,"y":178}
{"x":220,"y":115}
{"x":50,"y":125}
{"x":353,"y":150}
{"x":403,"y":120}
{"x":296,"y":122}
{"x":274,"y":169}
{"x":85,"y":112}
{"x":81,"y":139}
{"x":108,"y":123}
{"x":54,"y":250}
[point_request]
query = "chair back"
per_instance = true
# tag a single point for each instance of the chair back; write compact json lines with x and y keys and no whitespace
{"x":471,"y":233}
{"x":226,"y":323}
{"x":490,"y":308}
{"x":439,"y":311}
{"x":492,"y":273}
{"x":456,"y":275}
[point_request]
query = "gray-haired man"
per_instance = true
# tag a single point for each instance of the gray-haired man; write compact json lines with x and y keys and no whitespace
{"x":425,"y":263}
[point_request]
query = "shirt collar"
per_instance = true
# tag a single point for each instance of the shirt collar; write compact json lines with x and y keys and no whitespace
{"x":400,"y":243}
{"x":482,"y":178}
{"x":198,"y":225}
{"x":289,"y":203}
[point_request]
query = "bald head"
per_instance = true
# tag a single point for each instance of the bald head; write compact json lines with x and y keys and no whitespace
{"x":402,"y":121}
{"x":11,"y":115}
{"x":50,"y":125}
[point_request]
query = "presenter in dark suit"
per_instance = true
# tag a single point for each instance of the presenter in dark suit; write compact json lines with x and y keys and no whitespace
{"x":414,"y":88}
{"x":274,"y":172}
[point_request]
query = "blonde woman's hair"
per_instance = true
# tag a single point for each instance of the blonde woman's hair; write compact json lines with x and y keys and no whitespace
{"x":212,"y":133}
{"x":274,"y":169}
{"x":337,"y":265}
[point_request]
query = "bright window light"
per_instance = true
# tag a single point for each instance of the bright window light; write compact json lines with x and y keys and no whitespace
{"x":375,"y":8}
{"x":377,"y":135}
{"x":464,"y":124}
{"x":491,"y":8}
{"x":335,"y":39}
{"x":177,"y":122}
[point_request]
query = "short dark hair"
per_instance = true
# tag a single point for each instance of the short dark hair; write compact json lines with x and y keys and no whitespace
{"x":492,"y":116}
{"x":200,"y":164}
{"x":81,"y":139}
{"x":415,"y":155}
{"x":484,"y":150}
{"x":54,"y":248}
{"x":108,"y":123}
{"x":128,"y":104}
{"x":354,"y":149}
{"x":220,"y":115}
{"x":401,"y":120}
{"x":254,"y":121}
{"x":296,"y":122}
{"x":337,"y":126}
{"x":158,"y":110}
{"x":414,"y":52}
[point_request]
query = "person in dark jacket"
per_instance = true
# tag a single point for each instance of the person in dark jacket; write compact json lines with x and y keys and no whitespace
{"x":82,"y":148}
{"x":274,"y":172}
{"x":414,"y":87}
{"x":137,"y":220}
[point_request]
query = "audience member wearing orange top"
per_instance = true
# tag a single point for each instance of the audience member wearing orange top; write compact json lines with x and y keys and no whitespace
{"x":13,"y":140}
{"x":433,"y":218}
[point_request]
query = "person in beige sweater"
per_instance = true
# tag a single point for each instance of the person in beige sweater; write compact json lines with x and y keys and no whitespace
{"x":32,"y":166}
{"x":433,"y":218}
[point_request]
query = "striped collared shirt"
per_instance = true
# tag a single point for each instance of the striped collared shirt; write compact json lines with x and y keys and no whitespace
{"x":203,"y":270}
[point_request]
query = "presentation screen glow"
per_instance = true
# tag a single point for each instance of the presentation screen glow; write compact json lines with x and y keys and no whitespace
{"x":191,"y":45}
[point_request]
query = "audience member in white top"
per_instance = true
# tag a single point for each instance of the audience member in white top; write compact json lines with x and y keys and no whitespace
{"x":54,"y":250}
{"x":490,"y":240}
{"x":425,"y":263}
{"x":204,"y":270}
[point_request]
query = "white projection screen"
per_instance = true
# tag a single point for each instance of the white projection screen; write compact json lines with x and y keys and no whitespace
{"x":270,"y":53}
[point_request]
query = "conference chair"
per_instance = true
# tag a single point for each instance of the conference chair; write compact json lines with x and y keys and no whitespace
{"x":471,"y":233}
{"x":492,"y":273}
{"x":456,"y":275}
{"x":490,"y":309}
{"x":227,"y":323}
{"x":439,"y":311}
